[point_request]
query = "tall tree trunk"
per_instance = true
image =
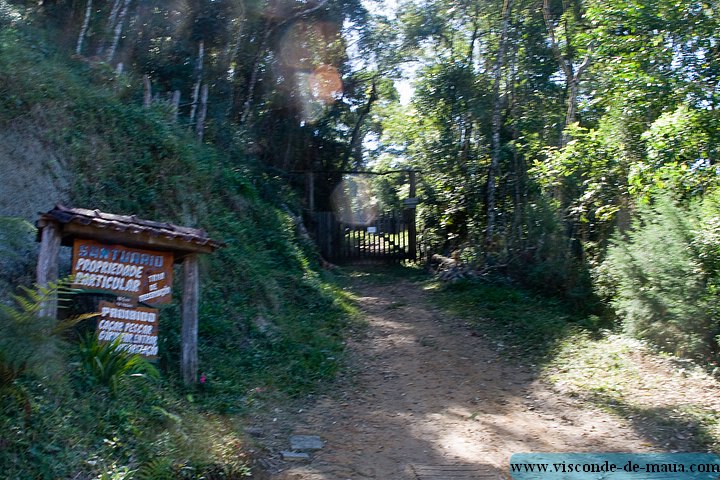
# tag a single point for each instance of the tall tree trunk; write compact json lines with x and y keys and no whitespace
{"x":200,"y":129}
{"x":572,"y":76}
{"x":114,"y":14}
{"x":231,"y":54}
{"x":198,"y":80}
{"x":355,"y":136}
{"x":255,"y":72}
{"x":175,"y":105}
{"x":519,"y":168}
{"x":118,"y":31}
{"x":496,"y":126}
{"x":112,"y":18}
{"x":84,"y":28}
{"x":147,"y":86}
{"x":234,"y":49}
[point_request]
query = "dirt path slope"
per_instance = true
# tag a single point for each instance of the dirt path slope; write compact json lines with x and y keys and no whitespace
{"x":432,"y":394}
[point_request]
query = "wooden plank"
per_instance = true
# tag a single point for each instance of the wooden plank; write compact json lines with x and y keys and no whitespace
{"x":135,"y":239}
{"x":190,"y":308}
{"x":47,"y":266}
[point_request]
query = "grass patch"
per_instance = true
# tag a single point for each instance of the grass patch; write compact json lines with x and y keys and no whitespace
{"x":671,"y":403}
{"x":665,"y":402}
{"x":381,"y":274}
{"x":520,"y":323}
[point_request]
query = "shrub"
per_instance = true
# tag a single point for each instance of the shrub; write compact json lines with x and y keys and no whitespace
{"x":662,"y":276}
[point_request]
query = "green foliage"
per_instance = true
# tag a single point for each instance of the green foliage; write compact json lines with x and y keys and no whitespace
{"x":680,"y":148}
{"x":107,"y":363}
{"x":550,"y":261}
{"x":31,"y":342}
{"x":17,"y":258}
{"x":161,"y":468}
{"x":520,"y":324}
{"x":588,"y":174}
{"x":129,"y":160}
{"x":662,"y":278}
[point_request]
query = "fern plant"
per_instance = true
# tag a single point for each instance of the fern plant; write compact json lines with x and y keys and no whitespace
{"x":107,"y":363}
{"x":32,"y":343}
{"x":160,"y":468}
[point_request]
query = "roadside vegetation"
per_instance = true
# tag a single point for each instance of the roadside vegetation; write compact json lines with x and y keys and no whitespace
{"x":670,"y":400}
{"x":271,"y":325}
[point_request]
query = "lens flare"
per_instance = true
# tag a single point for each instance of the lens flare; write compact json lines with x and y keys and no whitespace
{"x":354,"y":201}
{"x":306,"y":54}
{"x":325,"y":84}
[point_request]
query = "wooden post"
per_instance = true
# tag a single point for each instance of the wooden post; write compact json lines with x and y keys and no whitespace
{"x":47,"y":267}
{"x":412,"y":227}
{"x":191,"y":299}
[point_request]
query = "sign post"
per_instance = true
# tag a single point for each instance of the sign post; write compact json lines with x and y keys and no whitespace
{"x":137,"y":328}
{"x":132,"y":259}
{"x":135,"y":276}
{"x":143,"y":275}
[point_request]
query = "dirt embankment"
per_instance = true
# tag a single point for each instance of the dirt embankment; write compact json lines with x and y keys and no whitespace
{"x":34,"y":177}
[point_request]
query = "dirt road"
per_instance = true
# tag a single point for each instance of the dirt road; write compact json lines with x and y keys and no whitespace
{"x":430,"y":396}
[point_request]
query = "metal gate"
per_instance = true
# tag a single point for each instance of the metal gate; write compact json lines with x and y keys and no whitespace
{"x":354,"y":230}
{"x":390,"y":237}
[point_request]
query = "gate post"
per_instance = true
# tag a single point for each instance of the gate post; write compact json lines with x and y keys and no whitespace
{"x":410,"y":209}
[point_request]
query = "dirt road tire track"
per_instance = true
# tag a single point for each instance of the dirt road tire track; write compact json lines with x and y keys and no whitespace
{"x":428,"y":391}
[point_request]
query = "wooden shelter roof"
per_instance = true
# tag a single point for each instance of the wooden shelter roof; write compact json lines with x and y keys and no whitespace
{"x":128,"y":230}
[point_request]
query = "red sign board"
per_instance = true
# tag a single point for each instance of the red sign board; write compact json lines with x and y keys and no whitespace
{"x":143,"y":275}
{"x":137,"y":328}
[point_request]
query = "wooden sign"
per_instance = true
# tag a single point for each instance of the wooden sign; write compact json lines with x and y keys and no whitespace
{"x":143,"y":275}
{"x":137,"y":328}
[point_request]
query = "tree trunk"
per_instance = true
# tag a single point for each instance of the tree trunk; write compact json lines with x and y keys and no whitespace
{"x":47,"y":267}
{"x":496,"y":125}
{"x":198,"y":80}
{"x":231,"y":54}
{"x":255,"y":72}
{"x":110,"y":25}
{"x":518,"y":165}
{"x":84,"y":28}
{"x":118,"y":31}
{"x":147,"y":86}
{"x":572,"y":76}
{"x":234,"y":49}
{"x":355,"y":136}
{"x":175,"y":105}
{"x":200,"y":128}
